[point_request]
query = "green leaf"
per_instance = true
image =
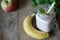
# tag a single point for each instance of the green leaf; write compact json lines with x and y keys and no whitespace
{"x":34,"y":4}
{"x":37,"y":1}
{"x":52,"y":0}
{"x":48,"y":14}
{"x":47,"y":1}
{"x":42,"y":1}
{"x":42,"y":10}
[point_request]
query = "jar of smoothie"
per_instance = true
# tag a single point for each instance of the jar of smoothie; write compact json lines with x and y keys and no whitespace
{"x":44,"y":21}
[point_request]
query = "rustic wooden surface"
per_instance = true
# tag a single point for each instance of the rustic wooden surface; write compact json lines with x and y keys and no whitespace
{"x":11,"y":24}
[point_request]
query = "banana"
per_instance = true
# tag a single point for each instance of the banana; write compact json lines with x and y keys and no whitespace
{"x":31,"y":31}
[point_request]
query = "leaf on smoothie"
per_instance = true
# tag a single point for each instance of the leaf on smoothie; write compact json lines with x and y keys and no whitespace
{"x":42,"y":10}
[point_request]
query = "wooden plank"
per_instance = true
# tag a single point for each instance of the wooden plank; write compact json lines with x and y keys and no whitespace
{"x":10,"y":24}
{"x":11,"y":27}
{"x":23,"y":12}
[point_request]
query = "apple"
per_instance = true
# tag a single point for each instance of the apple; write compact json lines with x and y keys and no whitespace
{"x":8,"y":5}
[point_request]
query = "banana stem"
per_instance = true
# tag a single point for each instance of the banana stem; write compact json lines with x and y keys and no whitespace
{"x":51,"y":7}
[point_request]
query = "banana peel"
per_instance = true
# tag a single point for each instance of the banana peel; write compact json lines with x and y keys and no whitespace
{"x":31,"y":31}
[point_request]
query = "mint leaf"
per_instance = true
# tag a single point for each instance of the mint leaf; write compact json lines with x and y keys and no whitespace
{"x":42,"y":10}
{"x":48,"y":14}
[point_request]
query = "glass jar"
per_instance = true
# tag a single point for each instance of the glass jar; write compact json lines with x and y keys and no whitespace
{"x":45,"y":22}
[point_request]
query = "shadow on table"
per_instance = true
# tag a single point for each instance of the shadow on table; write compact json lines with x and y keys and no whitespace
{"x":52,"y":33}
{"x":21,"y":4}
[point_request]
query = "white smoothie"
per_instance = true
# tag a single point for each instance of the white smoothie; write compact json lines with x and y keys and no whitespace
{"x":45,"y":22}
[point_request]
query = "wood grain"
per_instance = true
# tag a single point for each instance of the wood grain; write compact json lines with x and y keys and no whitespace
{"x":11,"y":24}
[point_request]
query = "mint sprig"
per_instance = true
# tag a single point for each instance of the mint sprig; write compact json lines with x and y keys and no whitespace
{"x":42,"y":11}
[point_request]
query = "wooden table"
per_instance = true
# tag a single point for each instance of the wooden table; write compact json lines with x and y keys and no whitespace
{"x":11,"y":24}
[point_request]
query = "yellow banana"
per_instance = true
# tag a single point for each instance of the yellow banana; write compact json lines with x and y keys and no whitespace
{"x":31,"y":31}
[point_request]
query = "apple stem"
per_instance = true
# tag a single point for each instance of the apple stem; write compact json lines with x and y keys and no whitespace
{"x":51,"y":7}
